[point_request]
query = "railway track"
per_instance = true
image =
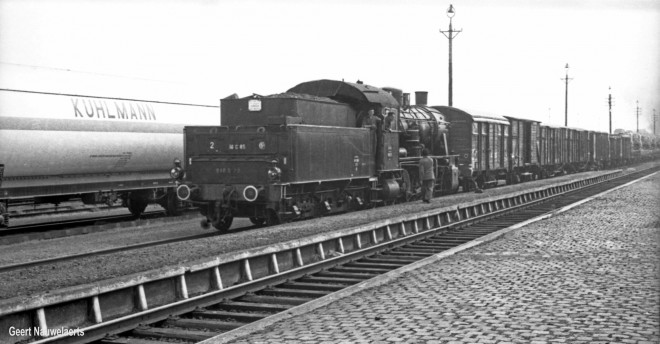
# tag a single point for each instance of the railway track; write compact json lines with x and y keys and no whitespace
{"x":54,"y":260}
{"x":220,"y":300}
{"x":58,"y":224}
{"x":320,"y":281}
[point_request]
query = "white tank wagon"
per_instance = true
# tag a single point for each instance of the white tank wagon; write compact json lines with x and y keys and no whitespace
{"x":54,"y":147}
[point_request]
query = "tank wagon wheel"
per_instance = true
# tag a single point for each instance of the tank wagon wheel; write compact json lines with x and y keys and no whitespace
{"x":4,"y":216}
{"x":257,"y":221}
{"x":137,"y":202}
{"x":172,"y":204}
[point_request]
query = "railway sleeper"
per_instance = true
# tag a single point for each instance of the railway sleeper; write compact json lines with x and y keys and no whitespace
{"x":409,"y":254}
{"x":298,"y":293}
{"x":365,"y":270}
{"x":313,"y":286}
{"x":250,"y":307}
{"x":370,"y":264}
{"x":438,"y":245}
{"x":418,"y":249}
{"x":171,"y":333}
{"x":390,"y":260}
{"x":295,"y":301}
{"x":458,"y":238}
{"x":206,"y":324}
{"x":353,"y":275}
{"x":240,"y":317}
{"x":129,"y":340}
{"x":330,"y":280}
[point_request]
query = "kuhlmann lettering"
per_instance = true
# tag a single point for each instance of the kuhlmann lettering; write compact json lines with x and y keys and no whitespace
{"x":121,"y":110}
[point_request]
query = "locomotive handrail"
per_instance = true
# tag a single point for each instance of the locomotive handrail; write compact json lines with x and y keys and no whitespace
{"x":231,"y":158}
{"x":415,"y":158}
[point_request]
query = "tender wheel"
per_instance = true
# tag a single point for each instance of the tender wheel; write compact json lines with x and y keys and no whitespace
{"x":223,"y":223}
{"x":220,"y":218}
{"x":258,"y":221}
{"x":272,"y":218}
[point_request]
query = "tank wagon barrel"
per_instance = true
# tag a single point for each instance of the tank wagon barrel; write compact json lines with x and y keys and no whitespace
{"x":57,"y":146}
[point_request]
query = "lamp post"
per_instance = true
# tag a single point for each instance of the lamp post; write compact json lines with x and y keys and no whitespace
{"x":566,"y":98}
{"x":450,"y":34}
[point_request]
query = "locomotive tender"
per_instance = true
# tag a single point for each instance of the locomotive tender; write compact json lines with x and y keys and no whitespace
{"x":305,"y":153}
{"x":54,"y":147}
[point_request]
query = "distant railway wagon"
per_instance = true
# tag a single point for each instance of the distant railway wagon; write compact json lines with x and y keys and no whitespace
{"x":599,"y":149}
{"x":525,"y":149}
{"x":481,"y":143}
{"x":55,"y":147}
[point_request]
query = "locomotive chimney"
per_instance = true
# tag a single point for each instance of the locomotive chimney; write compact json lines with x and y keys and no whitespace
{"x":406,"y":100}
{"x":421,"y":97}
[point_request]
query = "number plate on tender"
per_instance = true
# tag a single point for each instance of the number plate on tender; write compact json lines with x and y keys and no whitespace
{"x":254,"y":105}
{"x":213,"y":145}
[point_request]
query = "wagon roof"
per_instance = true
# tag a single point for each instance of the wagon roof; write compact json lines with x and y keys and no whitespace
{"x":475,"y":115}
{"x":346,"y":91}
{"x":522,"y":119}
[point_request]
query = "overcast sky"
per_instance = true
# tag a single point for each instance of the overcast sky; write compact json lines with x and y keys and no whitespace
{"x":509,"y":59}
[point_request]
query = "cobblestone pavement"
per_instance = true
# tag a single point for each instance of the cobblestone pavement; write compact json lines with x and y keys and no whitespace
{"x":589,"y":275}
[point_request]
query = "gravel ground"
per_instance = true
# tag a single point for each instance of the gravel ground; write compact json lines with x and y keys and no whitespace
{"x":88,"y":270}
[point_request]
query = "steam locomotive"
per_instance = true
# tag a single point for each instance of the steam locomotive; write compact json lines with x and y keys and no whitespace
{"x":306,"y":153}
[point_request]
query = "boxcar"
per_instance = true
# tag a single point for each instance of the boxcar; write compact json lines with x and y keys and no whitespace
{"x":524,"y":149}
{"x":599,"y":149}
{"x":481,"y":143}
{"x":548,"y":150}
{"x":626,"y":148}
{"x":578,"y":149}
{"x":616,"y":154}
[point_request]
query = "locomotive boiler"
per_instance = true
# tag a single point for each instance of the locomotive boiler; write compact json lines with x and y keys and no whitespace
{"x":305,"y":153}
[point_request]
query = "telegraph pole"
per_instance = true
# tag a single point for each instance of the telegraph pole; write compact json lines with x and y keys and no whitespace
{"x":609,"y":102}
{"x":638,"y":116}
{"x":654,"y":118}
{"x":566,"y":97}
{"x":450,"y":34}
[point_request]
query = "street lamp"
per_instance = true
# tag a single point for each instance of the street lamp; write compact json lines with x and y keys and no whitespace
{"x":450,"y":34}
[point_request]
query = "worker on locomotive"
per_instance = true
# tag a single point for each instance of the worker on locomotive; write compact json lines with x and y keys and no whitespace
{"x":307,"y":153}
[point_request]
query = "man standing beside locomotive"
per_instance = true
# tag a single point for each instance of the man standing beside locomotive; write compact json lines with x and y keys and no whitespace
{"x":371,"y":120}
{"x":389,"y":121}
{"x":426,"y":176}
